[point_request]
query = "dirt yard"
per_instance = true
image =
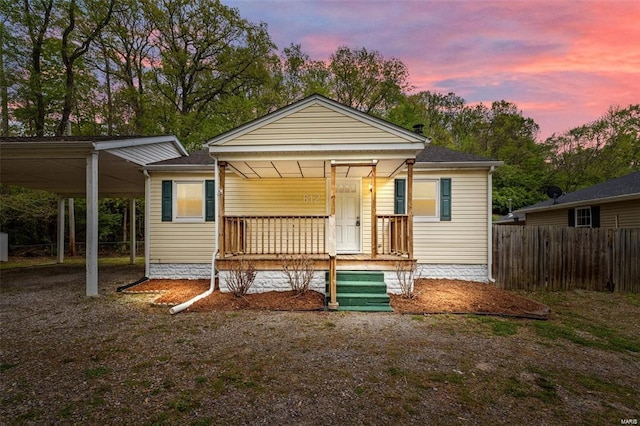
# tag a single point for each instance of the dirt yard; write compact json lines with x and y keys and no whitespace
{"x":118,"y":359}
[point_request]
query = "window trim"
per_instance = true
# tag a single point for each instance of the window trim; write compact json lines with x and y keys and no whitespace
{"x":189,"y":219}
{"x":581,"y":209}
{"x":435,"y":218}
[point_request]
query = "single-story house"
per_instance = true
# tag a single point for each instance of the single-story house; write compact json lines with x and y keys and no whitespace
{"x":611,"y":204}
{"x":320,"y":179}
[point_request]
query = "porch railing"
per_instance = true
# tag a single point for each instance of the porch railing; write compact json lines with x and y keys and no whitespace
{"x":274,"y":235}
{"x":393,"y":234}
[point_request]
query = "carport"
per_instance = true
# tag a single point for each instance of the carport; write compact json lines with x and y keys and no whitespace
{"x":86,"y":166}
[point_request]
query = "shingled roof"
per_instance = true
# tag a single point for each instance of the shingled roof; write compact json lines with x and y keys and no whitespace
{"x":619,"y":189}
{"x":439,"y":154}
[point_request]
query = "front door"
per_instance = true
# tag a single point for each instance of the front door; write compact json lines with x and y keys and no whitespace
{"x":348,"y":216}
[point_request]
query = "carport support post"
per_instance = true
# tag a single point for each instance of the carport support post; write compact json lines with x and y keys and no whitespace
{"x":132,"y":229}
{"x":92,"y":224}
{"x":60,"y":252}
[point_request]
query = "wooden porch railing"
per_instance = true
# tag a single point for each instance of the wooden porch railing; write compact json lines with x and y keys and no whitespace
{"x":393,"y":234}
{"x":274,"y":235}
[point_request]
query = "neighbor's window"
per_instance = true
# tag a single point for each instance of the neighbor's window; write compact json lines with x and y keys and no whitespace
{"x":189,"y":200}
{"x":425,"y":199}
{"x":583,"y":217}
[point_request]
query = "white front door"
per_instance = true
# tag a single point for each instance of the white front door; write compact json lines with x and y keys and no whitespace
{"x":348,"y":216}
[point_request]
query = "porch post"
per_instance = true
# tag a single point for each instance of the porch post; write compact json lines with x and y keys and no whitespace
{"x":60,"y":253}
{"x":374,"y":214}
{"x":132,"y":230}
{"x":410,"y":207}
{"x":333,"y":302}
{"x":221,"y":227}
{"x":92,"y":224}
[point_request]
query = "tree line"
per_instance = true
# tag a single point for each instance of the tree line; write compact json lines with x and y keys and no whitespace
{"x":196,"y":68}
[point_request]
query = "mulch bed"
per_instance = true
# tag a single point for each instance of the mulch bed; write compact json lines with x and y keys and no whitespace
{"x":432,"y":296}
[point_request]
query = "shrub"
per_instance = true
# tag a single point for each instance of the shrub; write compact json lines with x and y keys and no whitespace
{"x":407,"y":273}
{"x":299,"y":271}
{"x":241,"y":276}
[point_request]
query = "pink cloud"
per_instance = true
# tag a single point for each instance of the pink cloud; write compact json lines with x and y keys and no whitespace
{"x":563,"y":63}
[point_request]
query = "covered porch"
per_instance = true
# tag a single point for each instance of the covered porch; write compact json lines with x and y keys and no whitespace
{"x":266,"y":240}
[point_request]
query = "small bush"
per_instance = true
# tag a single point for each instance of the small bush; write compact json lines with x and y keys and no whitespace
{"x":299,"y":271}
{"x":241,"y":277}
{"x":407,"y":273}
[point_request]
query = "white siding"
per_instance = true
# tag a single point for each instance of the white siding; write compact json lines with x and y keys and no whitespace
{"x":275,"y":196}
{"x":178,"y":242}
{"x":316,"y":124}
{"x":463,"y":240}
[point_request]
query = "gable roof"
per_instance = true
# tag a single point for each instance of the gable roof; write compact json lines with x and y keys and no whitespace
{"x":314,"y":127}
{"x":619,"y":189}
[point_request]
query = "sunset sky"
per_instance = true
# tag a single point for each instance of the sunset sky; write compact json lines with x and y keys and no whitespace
{"x":562,"y":62}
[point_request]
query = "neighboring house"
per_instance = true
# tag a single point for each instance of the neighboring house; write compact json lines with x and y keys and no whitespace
{"x":327,"y":181}
{"x":611,"y":204}
{"x":513,"y":218}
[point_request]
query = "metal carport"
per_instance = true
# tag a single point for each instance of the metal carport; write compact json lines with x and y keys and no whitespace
{"x":85,"y":166}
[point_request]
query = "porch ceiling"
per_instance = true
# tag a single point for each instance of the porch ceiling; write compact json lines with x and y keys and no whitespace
{"x":253,"y":169}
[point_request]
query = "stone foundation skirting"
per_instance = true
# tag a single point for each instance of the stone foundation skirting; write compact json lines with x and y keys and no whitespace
{"x":180,"y":271}
{"x":274,"y":281}
{"x":277,"y":280}
{"x":454,"y":272}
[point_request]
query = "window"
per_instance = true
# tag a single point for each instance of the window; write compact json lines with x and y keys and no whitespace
{"x":188,"y":201}
{"x":583,"y":217}
{"x":425,"y":199}
{"x":431,"y":199}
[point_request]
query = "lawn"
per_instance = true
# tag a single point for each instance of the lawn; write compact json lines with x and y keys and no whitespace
{"x":66,"y":358}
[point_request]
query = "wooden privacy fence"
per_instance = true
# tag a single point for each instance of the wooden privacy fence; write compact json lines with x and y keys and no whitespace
{"x":557,"y":258}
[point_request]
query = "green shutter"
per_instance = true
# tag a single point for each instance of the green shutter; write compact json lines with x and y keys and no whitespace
{"x":400,"y":197}
{"x":167,"y":200}
{"x":210,"y":200}
{"x":445,"y":199}
{"x":571,"y":219}
{"x":595,"y":216}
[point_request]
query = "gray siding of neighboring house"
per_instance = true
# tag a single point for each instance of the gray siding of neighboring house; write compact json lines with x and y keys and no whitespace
{"x":627,"y":212}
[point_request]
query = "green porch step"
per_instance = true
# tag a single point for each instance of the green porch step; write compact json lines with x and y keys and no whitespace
{"x":363,"y":291}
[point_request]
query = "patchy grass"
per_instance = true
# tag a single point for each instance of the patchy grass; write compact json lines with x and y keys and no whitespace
{"x":117,"y":357}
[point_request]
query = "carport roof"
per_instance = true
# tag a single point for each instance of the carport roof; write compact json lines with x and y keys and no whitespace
{"x":58,"y":164}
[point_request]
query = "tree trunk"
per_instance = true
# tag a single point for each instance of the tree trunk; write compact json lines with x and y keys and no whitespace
{"x":4,"y":94}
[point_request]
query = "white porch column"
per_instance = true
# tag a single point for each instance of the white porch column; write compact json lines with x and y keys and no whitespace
{"x":60,"y":253}
{"x":132,"y":229}
{"x":92,"y":224}
{"x":147,"y":221}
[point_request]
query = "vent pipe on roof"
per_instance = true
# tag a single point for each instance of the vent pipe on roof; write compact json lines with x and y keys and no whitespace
{"x":418,"y":128}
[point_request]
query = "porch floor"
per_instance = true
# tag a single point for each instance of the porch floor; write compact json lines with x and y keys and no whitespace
{"x":351,"y":262}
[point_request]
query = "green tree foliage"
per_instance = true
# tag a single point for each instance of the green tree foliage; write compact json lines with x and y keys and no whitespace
{"x":605,"y":149}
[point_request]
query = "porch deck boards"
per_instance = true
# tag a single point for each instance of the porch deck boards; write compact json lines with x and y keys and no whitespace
{"x":351,"y":262}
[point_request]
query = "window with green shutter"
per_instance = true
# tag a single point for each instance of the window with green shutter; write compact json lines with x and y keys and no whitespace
{"x":188,"y":201}
{"x":445,"y":199}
